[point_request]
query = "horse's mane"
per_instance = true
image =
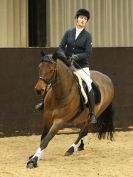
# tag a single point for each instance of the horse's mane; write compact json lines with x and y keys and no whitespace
{"x":60,"y":63}
{"x":64,"y":73}
{"x":62,"y":67}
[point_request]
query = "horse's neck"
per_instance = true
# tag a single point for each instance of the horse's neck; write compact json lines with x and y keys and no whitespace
{"x":64,"y":80}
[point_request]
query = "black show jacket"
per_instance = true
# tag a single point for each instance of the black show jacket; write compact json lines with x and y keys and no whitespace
{"x":81,"y":47}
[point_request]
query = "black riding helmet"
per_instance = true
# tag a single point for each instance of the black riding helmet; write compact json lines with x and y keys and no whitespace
{"x":83,"y":12}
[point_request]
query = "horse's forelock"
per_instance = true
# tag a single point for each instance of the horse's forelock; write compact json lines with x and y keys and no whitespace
{"x":48,"y":58}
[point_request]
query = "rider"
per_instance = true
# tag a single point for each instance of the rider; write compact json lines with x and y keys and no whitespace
{"x":76,"y":47}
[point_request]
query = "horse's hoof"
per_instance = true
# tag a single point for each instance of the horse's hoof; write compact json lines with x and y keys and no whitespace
{"x":32,"y":163}
{"x":81,"y":147}
{"x":69,"y":152}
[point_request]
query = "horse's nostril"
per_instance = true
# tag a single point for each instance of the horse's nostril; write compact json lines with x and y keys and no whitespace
{"x":38,"y":92}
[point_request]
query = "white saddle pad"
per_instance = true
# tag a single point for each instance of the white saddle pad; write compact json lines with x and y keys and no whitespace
{"x":82,"y":88}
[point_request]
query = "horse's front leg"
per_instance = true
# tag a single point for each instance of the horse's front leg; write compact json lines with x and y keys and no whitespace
{"x":32,"y":163}
{"x":79,"y":143}
{"x":44,"y":133}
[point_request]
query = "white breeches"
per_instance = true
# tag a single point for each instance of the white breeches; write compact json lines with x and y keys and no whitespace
{"x":85,"y":75}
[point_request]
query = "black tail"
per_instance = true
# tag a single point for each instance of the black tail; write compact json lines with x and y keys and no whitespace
{"x":105,"y":127}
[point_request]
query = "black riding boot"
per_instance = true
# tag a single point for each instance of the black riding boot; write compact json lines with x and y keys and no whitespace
{"x":40,"y":105}
{"x":91,"y":101}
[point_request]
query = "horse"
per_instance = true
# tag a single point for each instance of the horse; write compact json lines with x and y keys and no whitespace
{"x":64,"y":106}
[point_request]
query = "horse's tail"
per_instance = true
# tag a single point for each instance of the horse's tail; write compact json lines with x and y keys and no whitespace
{"x":105,"y":127}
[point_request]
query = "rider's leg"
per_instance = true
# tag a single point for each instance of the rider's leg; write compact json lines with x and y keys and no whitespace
{"x":91,"y":99}
{"x":40,"y":105}
{"x":85,"y":75}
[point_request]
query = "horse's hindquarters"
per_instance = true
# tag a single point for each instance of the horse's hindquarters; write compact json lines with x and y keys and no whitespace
{"x":106,"y":90}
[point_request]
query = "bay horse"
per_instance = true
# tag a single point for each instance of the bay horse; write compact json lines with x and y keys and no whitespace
{"x":63,"y":105}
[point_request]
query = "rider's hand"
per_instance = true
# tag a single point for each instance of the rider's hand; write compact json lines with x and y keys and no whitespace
{"x":74,"y":58}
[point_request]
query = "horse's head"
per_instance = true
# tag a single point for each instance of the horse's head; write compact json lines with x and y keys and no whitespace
{"x":47,"y":74}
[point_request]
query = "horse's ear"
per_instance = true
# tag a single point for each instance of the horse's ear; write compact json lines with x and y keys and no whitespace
{"x":42,"y":53}
{"x":55,"y":56}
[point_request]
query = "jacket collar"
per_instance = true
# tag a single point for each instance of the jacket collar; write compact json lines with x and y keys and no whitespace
{"x":74,"y":33}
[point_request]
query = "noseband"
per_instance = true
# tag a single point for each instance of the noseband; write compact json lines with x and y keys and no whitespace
{"x":50,"y":81}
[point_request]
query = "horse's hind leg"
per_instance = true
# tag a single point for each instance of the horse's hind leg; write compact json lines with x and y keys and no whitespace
{"x":79,"y":143}
{"x":82,"y":143}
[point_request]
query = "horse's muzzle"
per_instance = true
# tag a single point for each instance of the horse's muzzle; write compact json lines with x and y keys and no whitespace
{"x":40,"y":92}
{"x":40,"y":87}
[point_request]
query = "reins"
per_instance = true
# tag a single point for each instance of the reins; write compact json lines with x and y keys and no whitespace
{"x":73,"y":67}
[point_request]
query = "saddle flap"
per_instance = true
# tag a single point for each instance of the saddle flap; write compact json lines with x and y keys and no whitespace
{"x":97,"y":93}
{"x":84,"y":90}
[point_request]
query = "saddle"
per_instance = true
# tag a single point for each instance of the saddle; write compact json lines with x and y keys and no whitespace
{"x":84,"y":90}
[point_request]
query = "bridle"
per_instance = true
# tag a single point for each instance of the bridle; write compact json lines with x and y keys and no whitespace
{"x":52,"y":80}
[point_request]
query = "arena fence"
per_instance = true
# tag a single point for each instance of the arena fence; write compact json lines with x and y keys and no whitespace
{"x":19,"y":73}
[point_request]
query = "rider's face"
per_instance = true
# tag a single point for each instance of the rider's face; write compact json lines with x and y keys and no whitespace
{"x":81,"y":21}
